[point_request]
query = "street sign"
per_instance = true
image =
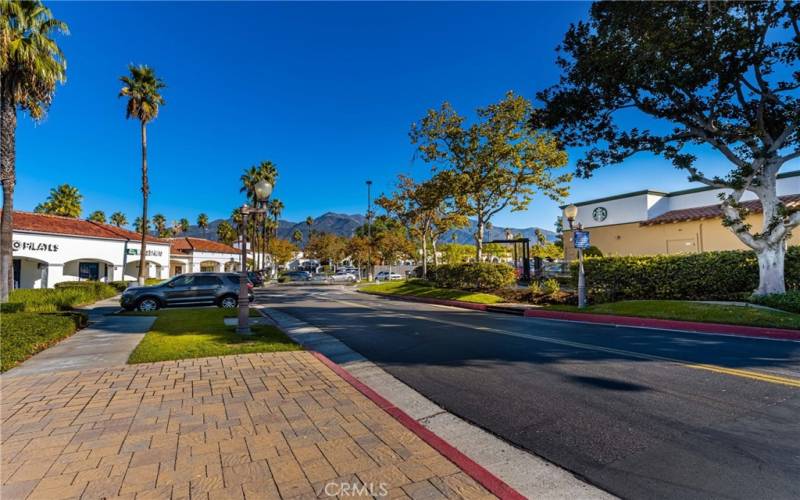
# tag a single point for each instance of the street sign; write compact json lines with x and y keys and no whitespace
{"x":581,"y":239}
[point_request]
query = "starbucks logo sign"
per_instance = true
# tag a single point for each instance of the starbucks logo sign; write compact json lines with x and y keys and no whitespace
{"x":599,"y":214}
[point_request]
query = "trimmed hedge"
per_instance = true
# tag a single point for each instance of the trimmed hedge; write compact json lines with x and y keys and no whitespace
{"x":24,"y":334}
{"x":472,"y":276}
{"x":61,"y":298}
{"x":789,"y":301}
{"x":727,"y":275}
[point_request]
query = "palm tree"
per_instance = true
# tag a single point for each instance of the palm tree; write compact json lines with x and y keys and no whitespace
{"x":226,"y":233}
{"x":160,"y":224}
{"x":31,"y":65}
{"x":183,"y":224}
{"x":138,"y":227}
{"x":142,"y":88}
{"x":297,"y":236}
{"x":98,"y":216}
{"x":119,"y":219}
{"x":265,"y":170}
{"x":202,"y":223}
{"x":64,"y":200}
{"x":309,"y":223}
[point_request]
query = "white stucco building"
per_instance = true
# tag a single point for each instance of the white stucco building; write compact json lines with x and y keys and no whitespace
{"x":192,"y":255}
{"x":49,"y":249}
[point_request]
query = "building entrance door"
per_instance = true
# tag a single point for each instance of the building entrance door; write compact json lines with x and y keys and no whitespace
{"x":89,"y":271}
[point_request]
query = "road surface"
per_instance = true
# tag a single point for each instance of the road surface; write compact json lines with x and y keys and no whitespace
{"x":641,"y":413}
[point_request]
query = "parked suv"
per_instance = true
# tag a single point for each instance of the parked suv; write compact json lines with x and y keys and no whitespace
{"x":221,"y":289}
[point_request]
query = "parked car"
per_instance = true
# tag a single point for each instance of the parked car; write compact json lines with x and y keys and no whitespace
{"x":320,"y":278}
{"x":256,"y":277}
{"x":297,"y":275}
{"x":344,"y":276}
{"x":221,"y":289}
{"x":387,"y":276}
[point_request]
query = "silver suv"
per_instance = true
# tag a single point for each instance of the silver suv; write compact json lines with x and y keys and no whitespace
{"x":221,"y":289}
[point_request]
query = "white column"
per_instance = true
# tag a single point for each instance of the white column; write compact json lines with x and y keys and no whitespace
{"x":55,"y":274}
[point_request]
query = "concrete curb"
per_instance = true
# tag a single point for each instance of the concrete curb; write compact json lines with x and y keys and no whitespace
{"x":631,"y":321}
{"x":488,"y":480}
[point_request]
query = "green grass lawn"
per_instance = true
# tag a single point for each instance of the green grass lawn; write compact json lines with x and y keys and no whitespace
{"x":692,"y":311}
{"x":420,"y":290}
{"x":198,"y":333}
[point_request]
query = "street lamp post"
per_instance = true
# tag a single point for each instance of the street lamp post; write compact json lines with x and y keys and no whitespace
{"x":570,"y":212}
{"x":262,"y":191}
{"x":369,"y":230}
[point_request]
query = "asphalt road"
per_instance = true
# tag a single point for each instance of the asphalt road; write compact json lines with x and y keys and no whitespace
{"x":641,"y":413}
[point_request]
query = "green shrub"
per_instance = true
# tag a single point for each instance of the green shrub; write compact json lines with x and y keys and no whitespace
{"x":119,"y":286}
{"x":12,"y":307}
{"x":789,"y":301}
{"x":727,"y":275}
{"x":24,"y":334}
{"x":550,"y":287}
{"x":472,"y":276}
{"x":283,"y":279}
{"x":61,"y":298}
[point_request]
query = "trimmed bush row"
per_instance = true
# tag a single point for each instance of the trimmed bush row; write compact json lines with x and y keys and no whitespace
{"x":727,"y":275}
{"x":65,"y":296}
{"x":472,"y":276}
{"x":24,"y":334}
{"x":789,"y":301}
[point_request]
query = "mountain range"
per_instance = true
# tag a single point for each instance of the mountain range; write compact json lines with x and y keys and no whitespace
{"x":345,"y":225}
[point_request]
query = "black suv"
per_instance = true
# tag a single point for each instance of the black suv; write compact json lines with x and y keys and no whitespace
{"x":221,"y":289}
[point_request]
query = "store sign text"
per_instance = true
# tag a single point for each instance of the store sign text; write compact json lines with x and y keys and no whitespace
{"x":148,"y":253}
{"x":33,"y":247}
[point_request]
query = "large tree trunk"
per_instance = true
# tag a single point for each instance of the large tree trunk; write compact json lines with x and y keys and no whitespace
{"x":479,"y":240}
{"x":435,"y":254}
{"x":145,"y":192}
{"x":770,"y":269}
{"x":8,"y":129}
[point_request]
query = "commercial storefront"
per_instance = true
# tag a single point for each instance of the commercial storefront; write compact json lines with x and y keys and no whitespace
{"x":654,"y":222}
{"x":191,"y":255}
{"x":49,"y":249}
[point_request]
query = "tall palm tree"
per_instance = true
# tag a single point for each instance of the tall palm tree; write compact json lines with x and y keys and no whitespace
{"x":64,"y":200}
{"x":97,"y":216}
{"x":183,"y":224}
{"x":31,"y":65}
{"x":160,"y":224}
{"x":119,"y":219}
{"x":309,"y":223}
{"x":266,"y":170}
{"x":142,"y":88}
{"x":202,"y":223}
{"x":226,"y":233}
{"x":297,"y":236}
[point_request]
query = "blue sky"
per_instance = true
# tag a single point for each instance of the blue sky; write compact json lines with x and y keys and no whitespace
{"x":326,"y":91}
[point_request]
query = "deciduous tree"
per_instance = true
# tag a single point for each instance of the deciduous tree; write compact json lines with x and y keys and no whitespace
{"x":497,"y":163}
{"x":719,"y":76}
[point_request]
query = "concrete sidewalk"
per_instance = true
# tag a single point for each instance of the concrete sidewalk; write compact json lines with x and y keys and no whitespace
{"x":106,"y":342}
{"x":278,"y":425}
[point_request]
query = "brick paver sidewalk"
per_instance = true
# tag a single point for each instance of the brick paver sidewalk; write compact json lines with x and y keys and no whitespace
{"x":277,"y":425}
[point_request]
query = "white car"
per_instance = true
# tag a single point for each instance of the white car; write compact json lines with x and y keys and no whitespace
{"x":387,"y":276}
{"x":344,"y":276}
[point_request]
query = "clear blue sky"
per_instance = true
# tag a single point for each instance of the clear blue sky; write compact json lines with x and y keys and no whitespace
{"x":326,"y":91}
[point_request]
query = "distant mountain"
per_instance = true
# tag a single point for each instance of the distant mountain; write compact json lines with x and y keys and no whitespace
{"x":345,"y":225}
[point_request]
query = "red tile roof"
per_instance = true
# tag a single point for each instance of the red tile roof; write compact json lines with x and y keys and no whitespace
{"x":714,"y":211}
{"x":55,"y":224}
{"x":188,"y":244}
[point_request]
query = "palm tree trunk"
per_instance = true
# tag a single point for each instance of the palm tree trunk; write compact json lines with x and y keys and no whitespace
{"x":145,"y":192}
{"x":8,"y":158}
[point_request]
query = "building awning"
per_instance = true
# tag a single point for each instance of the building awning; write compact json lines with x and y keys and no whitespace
{"x":714,"y":211}
{"x":68,"y":226}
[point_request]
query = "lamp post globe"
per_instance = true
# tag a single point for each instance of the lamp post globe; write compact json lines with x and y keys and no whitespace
{"x":570,"y":212}
{"x":263,"y":189}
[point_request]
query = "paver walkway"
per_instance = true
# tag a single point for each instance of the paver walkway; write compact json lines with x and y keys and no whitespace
{"x":106,"y":342}
{"x":279,"y":425}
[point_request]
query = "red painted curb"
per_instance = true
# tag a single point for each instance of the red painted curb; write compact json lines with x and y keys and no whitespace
{"x":668,"y":324}
{"x":488,"y":480}
{"x":429,"y":300}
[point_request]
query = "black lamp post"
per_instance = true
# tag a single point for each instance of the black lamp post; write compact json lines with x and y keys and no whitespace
{"x":262,"y":191}
{"x":570,"y":212}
